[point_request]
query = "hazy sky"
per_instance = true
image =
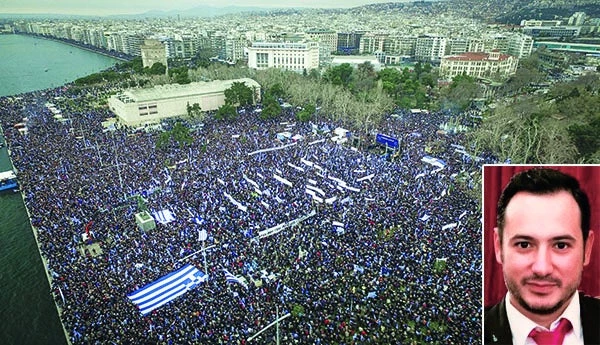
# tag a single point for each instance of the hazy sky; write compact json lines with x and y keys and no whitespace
{"x":106,"y":7}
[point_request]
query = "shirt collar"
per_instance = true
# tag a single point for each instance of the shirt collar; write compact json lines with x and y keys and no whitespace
{"x":520,"y":325}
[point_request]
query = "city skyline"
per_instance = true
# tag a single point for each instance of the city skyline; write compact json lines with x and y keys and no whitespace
{"x":114,"y":7}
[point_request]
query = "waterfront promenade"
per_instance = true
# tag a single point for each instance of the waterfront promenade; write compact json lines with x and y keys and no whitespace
{"x":372,"y":280}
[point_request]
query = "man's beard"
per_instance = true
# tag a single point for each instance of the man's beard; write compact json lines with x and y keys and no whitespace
{"x":541,"y":310}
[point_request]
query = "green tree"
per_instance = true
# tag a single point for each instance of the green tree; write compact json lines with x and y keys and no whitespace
{"x":194,"y":111}
{"x":460,"y":93}
{"x":306,"y":114}
{"x":586,"y":138}
{"x":271,"y":108}
{"x":277,"y":91}
{"x":339,"y":75}
{"x":363,"y":78}
{"x":157,"y":69}
{"x":239,"y":94}
{"x":181,"y":134}
{"x":226,"y":112}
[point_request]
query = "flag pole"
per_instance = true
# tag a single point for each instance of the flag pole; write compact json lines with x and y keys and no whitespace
{"x":270,"y":325}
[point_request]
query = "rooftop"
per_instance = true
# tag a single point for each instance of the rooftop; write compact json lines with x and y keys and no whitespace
{"x":476,"y":57}
{"x":180,"y":90}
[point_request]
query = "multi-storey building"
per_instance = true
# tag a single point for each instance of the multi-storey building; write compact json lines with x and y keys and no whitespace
{"x":298,"y":57}
{"x":577,"y":19}
{"x":536,"y":22}
{"x":552,"y":31}
{"x":496,"y":42}
{"x":520,"y":46}
{"x":400,"y":45}
{"x":479,"y":65}
{"x":430,"y":48}
{"x":328,"y":39}
{"x":234,"y":48}
{"x":372,"y":42}
{"x":476,"y":45}
{"x":349,"y":42}
{"x":457,"y":45}
{"x":132,"y":43}
{"x":114,"y":41}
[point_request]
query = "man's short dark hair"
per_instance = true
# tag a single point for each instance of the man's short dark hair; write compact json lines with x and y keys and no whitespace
{"x":542,"y":181}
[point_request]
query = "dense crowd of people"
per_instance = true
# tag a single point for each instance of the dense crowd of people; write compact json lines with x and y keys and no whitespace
{"x":361,"y":270}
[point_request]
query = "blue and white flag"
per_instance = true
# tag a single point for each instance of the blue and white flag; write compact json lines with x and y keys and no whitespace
{"x":167,"y":288}
{"x":233,"y":279}
{"x":164,"y":216}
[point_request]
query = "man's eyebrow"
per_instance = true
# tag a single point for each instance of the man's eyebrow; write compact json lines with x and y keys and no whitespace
{"x":564,"y":238}
{"x":522,"y":237}
{"x":531,"y":238}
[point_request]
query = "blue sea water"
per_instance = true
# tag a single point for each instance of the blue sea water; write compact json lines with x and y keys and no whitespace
{"x":28,"y":64}
{"x":28,"y":314}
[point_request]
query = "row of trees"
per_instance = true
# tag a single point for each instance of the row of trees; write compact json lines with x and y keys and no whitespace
{"x":558,"y":127}
{"x":561,"y":126}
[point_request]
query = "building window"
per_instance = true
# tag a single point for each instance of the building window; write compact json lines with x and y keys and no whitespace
{"x":262,"y":60}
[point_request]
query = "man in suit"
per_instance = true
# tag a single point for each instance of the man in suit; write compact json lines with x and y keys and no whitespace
{"x":543,"y":240}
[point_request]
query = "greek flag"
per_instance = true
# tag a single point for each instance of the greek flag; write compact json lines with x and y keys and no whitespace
{"x":233,"y":279}
{"x":167,"y":288}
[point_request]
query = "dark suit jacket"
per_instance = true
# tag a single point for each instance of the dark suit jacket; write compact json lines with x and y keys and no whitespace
{"x":496,"y":329}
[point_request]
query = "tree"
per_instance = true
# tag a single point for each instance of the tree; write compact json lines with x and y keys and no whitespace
{"x":277,"y":91}
{"x":339,"y":75}
{"x":363,"y":78}
{"x":586,"y":138}
{"x":194,"y":111}
{"x":239,"y":94}
{"x":524,"y":133}
{"x":271,"y":108}
{"x":179,"y":134}
{"x":180,"y":75}
{"x":226,"y":112}
{"x":157,"y":69}
{"x":461,"y":92}
{"x":306,"y":114}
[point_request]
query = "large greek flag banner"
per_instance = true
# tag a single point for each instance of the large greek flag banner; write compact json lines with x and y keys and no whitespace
{"x":167,"y":288}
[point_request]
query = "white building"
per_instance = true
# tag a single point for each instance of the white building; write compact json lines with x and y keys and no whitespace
{"x":153,"y":51}
{"x":520,"y":46}
{"x":234,"y":48}
{"x":372,"y":42}
{"x":430,"y":48}
{"x":478,"y":65}
{"x":135,"y":106}
{"x":297,"y":57}
{"x":328,"y":39}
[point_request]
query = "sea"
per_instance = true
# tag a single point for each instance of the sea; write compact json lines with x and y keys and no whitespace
{"x":28,"y":315}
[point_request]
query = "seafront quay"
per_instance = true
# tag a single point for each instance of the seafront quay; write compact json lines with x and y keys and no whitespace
{"x":9,"y":164}
{"x":361,"y":270}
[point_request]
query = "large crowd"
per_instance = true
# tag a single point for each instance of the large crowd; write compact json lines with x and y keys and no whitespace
{"x":361,"y":270}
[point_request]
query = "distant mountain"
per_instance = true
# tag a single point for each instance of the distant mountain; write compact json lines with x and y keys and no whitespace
{"x":513,"y":11}
{"x":200,"y":11}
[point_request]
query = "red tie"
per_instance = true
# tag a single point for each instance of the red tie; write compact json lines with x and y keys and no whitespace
{"x":554,"y":337}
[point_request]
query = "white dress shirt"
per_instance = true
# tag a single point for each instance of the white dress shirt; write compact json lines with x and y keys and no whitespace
{"x":521,"y":326}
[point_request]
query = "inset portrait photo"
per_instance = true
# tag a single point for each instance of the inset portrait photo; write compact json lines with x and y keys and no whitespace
{"x":541,"y":255}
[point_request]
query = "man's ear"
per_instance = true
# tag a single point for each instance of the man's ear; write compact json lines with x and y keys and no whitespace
{"x":497,"y":246}
{"x":587,"y":251}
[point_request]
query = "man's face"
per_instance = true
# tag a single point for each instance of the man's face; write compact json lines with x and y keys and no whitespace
{"x":542,"y":251}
